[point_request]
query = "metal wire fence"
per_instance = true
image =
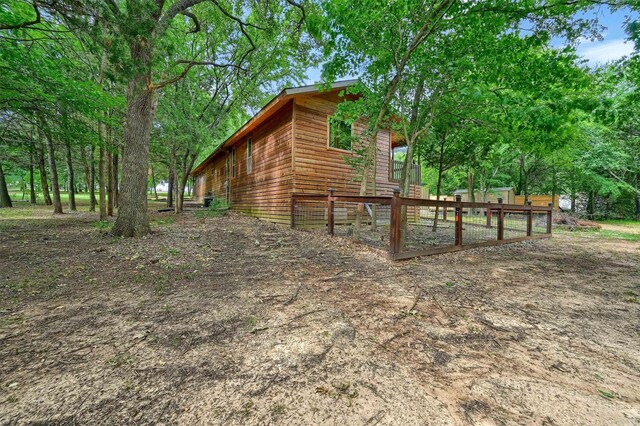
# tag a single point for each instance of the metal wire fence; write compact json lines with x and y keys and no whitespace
{"x":410,"y":227}
{"x":478,"y":226}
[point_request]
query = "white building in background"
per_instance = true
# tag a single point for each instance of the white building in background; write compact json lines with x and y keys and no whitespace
{"x":162,"y":186}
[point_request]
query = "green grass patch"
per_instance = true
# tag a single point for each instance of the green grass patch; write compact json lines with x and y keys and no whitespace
{"x":102,"y":225}
{"x":616,"y":235}
{"x":163,"y":222}
{"x":622,"y":222}
{"x":605,"y":234}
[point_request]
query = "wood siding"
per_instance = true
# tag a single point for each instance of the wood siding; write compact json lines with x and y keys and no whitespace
{"x":291,"y":154}
{"x":266,"y":191}
{"x":318,"y":167}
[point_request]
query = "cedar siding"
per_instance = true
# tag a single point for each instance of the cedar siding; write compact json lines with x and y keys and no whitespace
{"x":290,"y":154}
{"x":318,"y":167}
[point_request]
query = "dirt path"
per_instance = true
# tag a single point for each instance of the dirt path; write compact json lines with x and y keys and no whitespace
{"x":236,"y":321}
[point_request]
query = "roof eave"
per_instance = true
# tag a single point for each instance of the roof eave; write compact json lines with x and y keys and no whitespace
{"x":273,"y":105}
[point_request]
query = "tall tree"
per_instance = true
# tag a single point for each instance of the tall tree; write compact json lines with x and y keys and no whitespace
{"x":5,"y":199}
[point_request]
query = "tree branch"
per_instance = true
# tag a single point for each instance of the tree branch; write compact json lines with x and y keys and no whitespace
{"x":191,"y":64}
{"x":196,"y":23}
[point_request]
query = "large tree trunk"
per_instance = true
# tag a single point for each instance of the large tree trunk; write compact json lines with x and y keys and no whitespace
{"x":172,"y":174}
{"x":5,"y":200}
{"x":71,"y":179}
{"x":439,"y":183}
{"x":524,"y":179}
{"x":133,"y":220}
{"x":471,"y":189}
{"x":153,"y":182}
{"x":554,"y":187}
{"x":102,"y":184}
{"x":32,"y":184}
{"x":92,"y":179}
{"x":43,"y":177}
{"x":114,"y":177}
{"x":110,"y":183}
{"x":55,"y":187}
{"x":405,"y":188}
{"x":187,"y":165}
{"x":638,"y":196}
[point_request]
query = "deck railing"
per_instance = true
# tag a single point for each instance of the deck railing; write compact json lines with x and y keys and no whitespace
{"x":411,"y":227}
{"x":396,"y":172}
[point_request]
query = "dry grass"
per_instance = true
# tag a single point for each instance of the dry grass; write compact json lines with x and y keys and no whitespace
{"x":235,"y":321}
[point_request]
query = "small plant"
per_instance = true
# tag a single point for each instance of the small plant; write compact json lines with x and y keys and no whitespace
{"x":277,"y":410}
{"x":102,"y":224}
{"x":246,"y":408}
{"x":173,"y":251}
{"x":217,"y":208}
{"x":409,"y":313}
{"x":121,"y":359}
{"x":339,"y":390}
{"x":163,"y":222}
{"x":160,"y":286}
{"x":606,"y":394}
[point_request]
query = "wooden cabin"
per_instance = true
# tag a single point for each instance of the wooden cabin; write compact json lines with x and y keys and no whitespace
{"x":507,"y":194}
{"x":294,"y":144}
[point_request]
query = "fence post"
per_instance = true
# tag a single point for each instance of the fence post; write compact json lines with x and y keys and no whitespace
{"x":549,"y":218}
{"x":458,"y":228}
{"x":529,"y":219}
{"x":500,"y":220}
{"x":488,"y":214}
{"x":330,"y":216}
{"x":293,"y":211}
{"x":394,"y":237}
{"x":444,"y":212}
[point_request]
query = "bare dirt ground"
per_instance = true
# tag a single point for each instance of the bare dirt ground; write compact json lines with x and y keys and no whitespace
{"x":236,"y":321}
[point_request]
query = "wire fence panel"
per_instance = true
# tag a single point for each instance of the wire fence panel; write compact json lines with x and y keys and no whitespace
{"x":367,"y":223}
{"x":410,"y":227}
{"x":310,"y":214}
{"x":424,"y":231}
{"x":540,"y":222}
{"x":515,"y":224}
{"x":478,"y":226}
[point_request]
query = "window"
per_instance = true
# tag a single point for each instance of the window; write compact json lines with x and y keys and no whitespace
{"x":249,"y":155}
{"x":233,"y":162}
{"x":339,"y":134}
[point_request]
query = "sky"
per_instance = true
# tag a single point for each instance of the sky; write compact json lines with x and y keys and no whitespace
{"x":613,"y":46}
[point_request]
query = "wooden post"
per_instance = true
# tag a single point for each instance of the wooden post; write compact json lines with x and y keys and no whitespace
{"x":394,"y":237}
{"x":444,"y":212}
{"x":488,"y":214}
{"x":549,"y":218}
{"x":293,"y":211}
{"x":529,"y":219}
{"x":458,"y":228}
{"x":330,"y":216}
{"x":500,"y":220}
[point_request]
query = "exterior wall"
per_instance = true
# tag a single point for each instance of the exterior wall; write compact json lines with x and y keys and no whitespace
{"x":318,"y":167}
{"x":539,"y":200}
{"x":266,"y":191}
{"x":508,"y":197}
{"x":291,"y":154}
